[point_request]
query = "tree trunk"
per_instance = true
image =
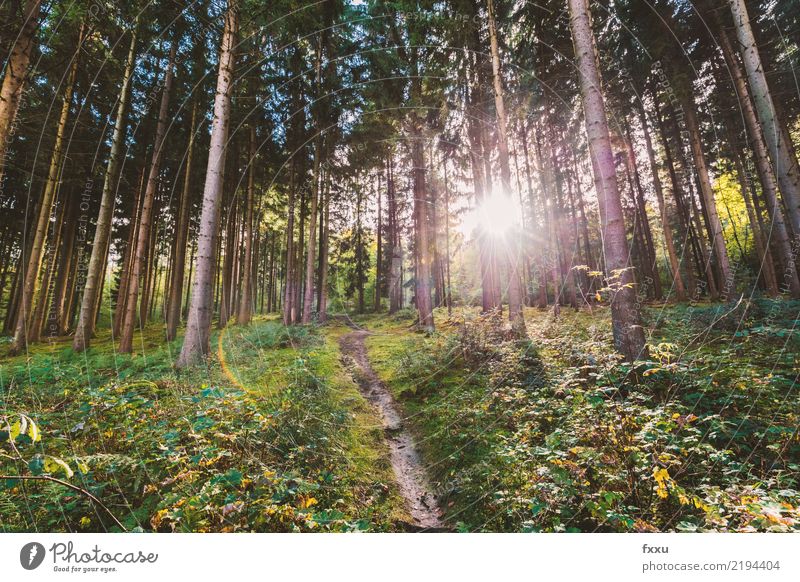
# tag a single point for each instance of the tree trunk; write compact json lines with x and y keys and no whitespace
{"x":396,"y":264}
{"x":143,"y":239}
{"x":34,"y":262}
{"x":323,"y":259}
{"x":629,"y":337}
{"x":781,"y":150}
{"x":246,"y":299}
{"x":422,"y":242}
{"x":14,"y":79}
{"x":515,"y":314}
{"x":765,"y":173}
{"x":674,"y":261}
{"x":707,"y":197}
{"x":378,"y":253}
{"x":308,"y":296}
{"x":641,"y":208}
{"x":97,"y":262}
{"x":198,"y":327}
{"x":181,"y":238}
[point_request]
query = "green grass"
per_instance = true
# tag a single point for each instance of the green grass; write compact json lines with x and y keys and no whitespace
{"x":271,"y":435}
{"x":559,"y":435}
{"x":553,"y":434}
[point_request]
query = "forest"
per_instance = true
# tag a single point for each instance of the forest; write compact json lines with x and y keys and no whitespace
{"x":399,"y":266}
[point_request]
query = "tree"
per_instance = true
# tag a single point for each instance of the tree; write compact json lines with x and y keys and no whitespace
{"x":246,"y":299}
{"x":14,"y":76}
{"x":515,"y":314}
{"x":198,"y":326}
{"x":97,"y":262}
{"x":143,"y":242}
{"x":784,"y":160}
{"x":24,"y":331}
{"x":626,"y":320}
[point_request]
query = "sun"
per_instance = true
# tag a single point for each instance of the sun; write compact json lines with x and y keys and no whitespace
{"x":498,"y":213}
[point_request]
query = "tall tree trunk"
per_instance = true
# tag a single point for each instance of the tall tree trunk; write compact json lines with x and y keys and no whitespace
{"x":765,"y":172}
{"x":672,"y":254}
{"x":479,"y":182}
{"x":288,"y":292}
{"x":422,"y":241}
{"x":784,"y":160}
{"x":246,"y":300}
{"x":449,"y":286}
{"x":707,"y":197}
{"x":58,"y":309}
{"x":396,"y":261}
{"x":689,"y":243}
{"x":378,"y":253}
{"x":34,"y":262}
{"x":102,"y":233}
{"x":629,"y":336}
{"x":641,"y":208}
{"x":198,"y":327}
{"x":542,"y":287}
{"x":143,"y":239}
{"x":127,"y":256}
{"x":515,"y":314}
{"x":323,"y":259}
{"x":693,"y":215}
{"x":14,"y":78}
{"x":308,"y":296}
{"x":181,"y":237}
{"x":231,"y":251}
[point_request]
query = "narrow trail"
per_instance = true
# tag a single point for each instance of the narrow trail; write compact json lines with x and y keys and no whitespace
{"x":406,"y":462}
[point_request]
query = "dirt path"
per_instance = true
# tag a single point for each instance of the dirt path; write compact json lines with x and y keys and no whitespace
{"x":408,"y":469}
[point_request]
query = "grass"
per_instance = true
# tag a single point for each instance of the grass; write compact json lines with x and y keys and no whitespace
{"x":559,"y":435}
{"x":550,"y":434}
{"x":272,"y":435}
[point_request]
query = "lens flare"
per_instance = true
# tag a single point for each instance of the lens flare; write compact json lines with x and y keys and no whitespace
{"x":498,"y":213}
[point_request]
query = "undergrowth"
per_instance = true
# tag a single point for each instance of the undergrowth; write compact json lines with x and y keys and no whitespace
{"x":271,"y":436}
{"x":557,"y":434}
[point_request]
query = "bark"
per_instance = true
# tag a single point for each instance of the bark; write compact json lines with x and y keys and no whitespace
{"x":379,"y":253}
{"x":58,"y":316}
{"x":515,"y":314}
{"x":629,"y":336}
{"x":14,"y":77}
{"x":198,"y":327}
{"x":649,"y":246}
{"x":422,"y":240}
{"x":323,"y":258}
{"x":449,"y":287}
{"x":542,"y":291}
{"x":707,"y":197}
{"x":181,"y":238}
{"x":480,"y":180}
{"x":142,"y":248}
{"x":133,"y":230}
{"x":246,"y":299}
{"x":34,"y":262}
{"x":288,"y":292}
{"x":672,"y":254}
{"x":308,"y":296}
{"x":781,"y":150}
{"x":763,"y":168}
{"x":97,"y":261}
{"x":396,"y":261}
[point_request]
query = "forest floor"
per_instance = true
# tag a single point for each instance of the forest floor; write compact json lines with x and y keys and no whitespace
{"x":384,"y":429}
{"x":408,"y":467}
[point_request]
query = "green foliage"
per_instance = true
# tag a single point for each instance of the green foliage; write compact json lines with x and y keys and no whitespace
{"x":217,"y":450}
{"x":701,"y":438}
